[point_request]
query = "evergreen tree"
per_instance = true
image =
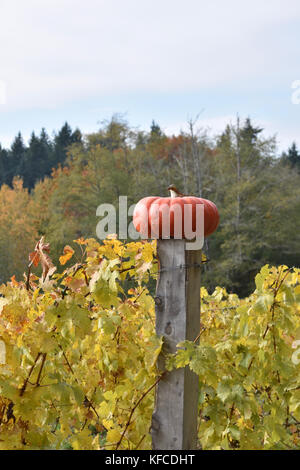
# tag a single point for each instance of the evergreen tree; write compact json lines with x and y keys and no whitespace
{"x":38,"y":160}
{"x":16,"y":159}
{"x":62,"y":141}
{"x":292,"y":157}
{"x":30,"y":170}
{"x":250,"y":133}
{"x":46,"y":149}
{"x":3,"y":165}
{"x":155,"y":131}
{"x":76,"y":137}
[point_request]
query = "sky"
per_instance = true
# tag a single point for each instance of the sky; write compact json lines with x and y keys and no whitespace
{"x":167,"y":60}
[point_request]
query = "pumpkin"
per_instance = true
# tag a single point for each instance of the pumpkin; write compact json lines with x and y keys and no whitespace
{"x":151,"y":212}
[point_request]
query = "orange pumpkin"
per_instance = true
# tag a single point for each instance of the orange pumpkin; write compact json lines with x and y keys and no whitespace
{"x":151,"y":212}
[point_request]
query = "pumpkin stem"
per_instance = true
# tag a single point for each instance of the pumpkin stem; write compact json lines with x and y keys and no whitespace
{"x":173,"y":193}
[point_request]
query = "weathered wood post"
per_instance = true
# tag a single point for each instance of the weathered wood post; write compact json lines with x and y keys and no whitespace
{"x":169,"y":220}
{"x":174,"y":422}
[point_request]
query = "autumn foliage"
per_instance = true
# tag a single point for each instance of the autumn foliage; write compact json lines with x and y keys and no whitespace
{"x":78,"y":355}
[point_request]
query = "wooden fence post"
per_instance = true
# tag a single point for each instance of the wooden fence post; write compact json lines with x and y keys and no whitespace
{"x":174,"y":421}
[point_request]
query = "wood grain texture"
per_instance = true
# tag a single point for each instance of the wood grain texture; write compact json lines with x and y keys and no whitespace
{"x":174,"y":422}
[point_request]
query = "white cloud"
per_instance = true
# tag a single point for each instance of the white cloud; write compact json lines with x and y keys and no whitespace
{"x":55,"y":53}
{"x":59,"y":51}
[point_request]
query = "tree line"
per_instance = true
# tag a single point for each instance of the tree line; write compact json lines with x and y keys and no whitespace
{"x":52,"y":187}
{"x":34,"y":161}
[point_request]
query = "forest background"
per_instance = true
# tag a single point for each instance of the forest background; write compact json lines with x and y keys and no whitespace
{"x":53,"y":186}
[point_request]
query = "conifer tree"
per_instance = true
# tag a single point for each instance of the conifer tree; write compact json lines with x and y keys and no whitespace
{"x":16,"y":160}
{"x":64,"y":139}
{"x":292,"y":157}
{"x":3,"y":165}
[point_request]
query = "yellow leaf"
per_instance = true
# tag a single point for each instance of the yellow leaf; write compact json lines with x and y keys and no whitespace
{"x":68,"y":253}
{"x":113,"y":436}
{"x":75,"y":445}
{"x":81,"y":241}
{"x":147,"y":254}
{"x":203,"y":258}
{"x":107,"y":423}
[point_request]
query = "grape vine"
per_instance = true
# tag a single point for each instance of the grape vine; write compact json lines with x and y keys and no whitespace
{"x":78,"y":355}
